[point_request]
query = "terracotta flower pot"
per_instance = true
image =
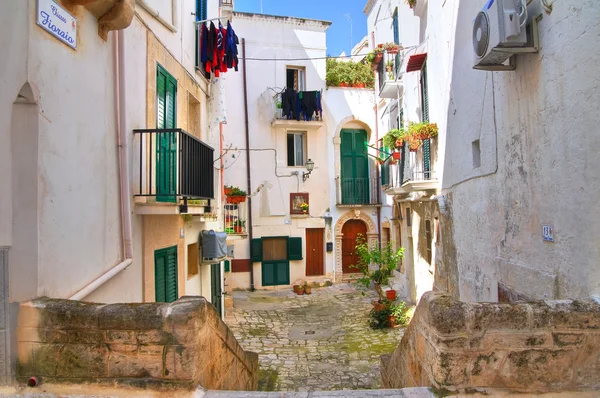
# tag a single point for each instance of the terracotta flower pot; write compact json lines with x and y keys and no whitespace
{"x":377,"y":306}
{"x":295,"y":288}
{"x":391,"y":295}
{"x":396,"y":155}
{"x":399,"y":143}
{"x":300,"y":290}
{"x":237,"y":229}
{"x":392,"y":321}
{"x":236,"y":199}
{"x":343,"y":84}
{"x":307,"y":290}
{"x":228,"y":191}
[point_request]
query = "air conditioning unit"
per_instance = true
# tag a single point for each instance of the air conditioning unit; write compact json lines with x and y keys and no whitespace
{"x":498,"y":28}
{"x":213,"y":246}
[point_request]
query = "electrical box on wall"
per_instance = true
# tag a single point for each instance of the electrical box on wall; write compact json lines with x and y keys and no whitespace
{"x":230,"y":249}
{"x":329,"y":247}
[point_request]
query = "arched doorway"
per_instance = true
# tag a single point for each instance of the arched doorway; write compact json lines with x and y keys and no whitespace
{"x":350,"y":231}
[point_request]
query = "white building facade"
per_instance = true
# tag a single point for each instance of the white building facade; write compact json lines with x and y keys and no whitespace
{"x":502,"y":213}
{"x":72,"y":221}
{"x":281,"y":245}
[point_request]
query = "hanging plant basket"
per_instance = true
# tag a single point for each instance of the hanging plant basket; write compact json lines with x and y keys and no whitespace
{"x":236,"y":199}
{"x":396,"y":155}
{"x":399,"y":143}
{"x":377,"y":60}
{"x":228,"y":191}
{"x":393,"y":50}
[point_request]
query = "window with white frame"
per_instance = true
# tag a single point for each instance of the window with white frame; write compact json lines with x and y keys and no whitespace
{"x":296,"y":78}
{"x":296,"y":148}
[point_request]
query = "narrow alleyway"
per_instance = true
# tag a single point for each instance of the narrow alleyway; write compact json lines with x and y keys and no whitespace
{"x":312,"y":342}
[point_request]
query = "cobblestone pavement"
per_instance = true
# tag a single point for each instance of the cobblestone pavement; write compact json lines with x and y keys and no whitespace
{"x":317,"y":342}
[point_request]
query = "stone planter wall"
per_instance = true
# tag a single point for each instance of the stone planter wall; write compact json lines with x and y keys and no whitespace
{"x":182,"y":344}
{"x":536,"y":347}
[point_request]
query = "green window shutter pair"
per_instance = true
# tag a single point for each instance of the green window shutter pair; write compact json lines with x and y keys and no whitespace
{"x":294,"y":248}
{"x":165,"y":275}
{"x":425,"y":118}
{"x":166,"y":143}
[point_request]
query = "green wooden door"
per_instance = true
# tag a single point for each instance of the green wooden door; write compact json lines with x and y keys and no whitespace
{"x":166,"y":143}
{"x":165,"y":275}
{"x":215,"y":285}
{"x":275,"y":273}
{"x":425,"y":118}
{"x":355,"y":167}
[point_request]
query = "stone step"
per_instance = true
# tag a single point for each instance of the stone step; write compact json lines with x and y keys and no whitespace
{"x":416,"y":392}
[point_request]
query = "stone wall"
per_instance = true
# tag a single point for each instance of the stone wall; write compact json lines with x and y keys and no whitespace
{"x":536,"y":347}
{"x":182,"y":344}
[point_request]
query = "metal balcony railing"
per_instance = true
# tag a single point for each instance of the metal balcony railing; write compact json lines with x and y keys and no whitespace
{"x":386,"y":75}
{"x":356,"y":191}
{"x":235,"y":218}
{"x":174,"y":164}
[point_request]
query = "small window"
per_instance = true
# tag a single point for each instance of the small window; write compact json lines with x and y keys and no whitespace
{"x":295,"y":78}
{"x":476,"y":154}
{"x":296,"y":148}
{"x":428,"y":239}
{"x":386,"y":237}
{"x":192,"y":257}
{"x":194,"y":116}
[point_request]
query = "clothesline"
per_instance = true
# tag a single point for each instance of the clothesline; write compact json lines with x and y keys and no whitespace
{"x":208,"y":20}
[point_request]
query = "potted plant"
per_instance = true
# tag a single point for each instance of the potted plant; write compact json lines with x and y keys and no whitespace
{"x":300,"y":290}
{"x":414,"y":143}
{"x":228,"y":189}
{"x":399,"y":314}
{"x":390,"y":294}
{"x":238,"y":226}
{"x":423,"y":131}
{"x":304,"y":207}
{"x":236,"y":195}
{"x":376,"y":264}
{"x":392,"y":48}
{"x":295,"y":288}
{"x":411,"y":3}
{"x":307,"y":288}
{"x":394,"y":138}
{"x":396,"y":155}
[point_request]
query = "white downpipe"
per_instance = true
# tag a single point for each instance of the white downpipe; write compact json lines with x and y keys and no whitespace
{"x":124,"y":182}
{"x":86,"y":291}
{"x":174,"y":26}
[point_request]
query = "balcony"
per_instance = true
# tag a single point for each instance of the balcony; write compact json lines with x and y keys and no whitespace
{"x":297,"y":117}
{"x":390,"y":74}
{"x":175,"y":173}
{"x":410,"y":178}
{"x":355,"y":192}
{"x":236,"y":215}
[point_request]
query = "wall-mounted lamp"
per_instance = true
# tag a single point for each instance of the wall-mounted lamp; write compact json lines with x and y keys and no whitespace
{"x":310,"y":165}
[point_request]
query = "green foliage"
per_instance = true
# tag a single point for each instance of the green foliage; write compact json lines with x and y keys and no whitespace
{"x":348,"y":73}
{"x":239,"y":223}
{"x":389,"y":140}
{"x":400,"y":313}
{"x":376,"y":264}
{"x":235,"y":191}
{"x":423,"y":131}
{"x":380,"y":319}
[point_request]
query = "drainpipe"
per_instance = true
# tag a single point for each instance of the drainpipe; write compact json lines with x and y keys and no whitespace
{"x":378,"y":176}
{"x":250,"y":229}
{"x":124,"y":183}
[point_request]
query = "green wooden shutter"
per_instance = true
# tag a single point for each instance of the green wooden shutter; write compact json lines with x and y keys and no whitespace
{"x":227,"y":266}
{"x":425,"y":118}
{"x":294,"y":248}
{"x":282,"y":273}
{"x":160,"y":265}
{"x":355,"y":167}
{"x":268,"y":274}
{"x":171,"y":276}
{"x":166,"y":145}
{"x":396,"y":27}
{"x":165,"y":275}
{"x":256,"y":250}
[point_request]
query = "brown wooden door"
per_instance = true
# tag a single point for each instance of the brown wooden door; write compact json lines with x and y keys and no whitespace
{"x":315,"y":252}
{"x":350,"y":231}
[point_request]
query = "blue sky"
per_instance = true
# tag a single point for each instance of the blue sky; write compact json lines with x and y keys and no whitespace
{"x":338,"y":35}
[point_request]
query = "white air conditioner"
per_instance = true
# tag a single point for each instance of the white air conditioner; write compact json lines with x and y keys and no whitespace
{"x":497,"y":28}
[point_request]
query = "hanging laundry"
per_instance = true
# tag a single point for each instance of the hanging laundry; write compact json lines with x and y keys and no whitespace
{"x":231,"y":51}
{"x":289,"y":104}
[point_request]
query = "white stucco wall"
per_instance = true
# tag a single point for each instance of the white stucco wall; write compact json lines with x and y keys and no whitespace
{"x":538,"y":132}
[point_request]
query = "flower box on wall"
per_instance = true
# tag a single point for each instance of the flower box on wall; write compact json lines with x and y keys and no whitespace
{"x":296,"y":202}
